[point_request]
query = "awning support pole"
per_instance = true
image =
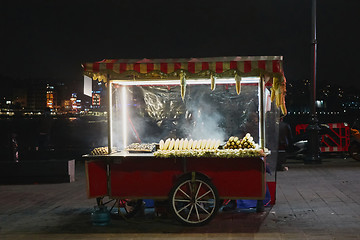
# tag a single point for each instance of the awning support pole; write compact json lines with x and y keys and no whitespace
{"x":262,"y":110}
{"x":109,"y":116}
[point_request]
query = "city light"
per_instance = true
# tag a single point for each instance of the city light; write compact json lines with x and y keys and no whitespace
{"x":51,"y":96}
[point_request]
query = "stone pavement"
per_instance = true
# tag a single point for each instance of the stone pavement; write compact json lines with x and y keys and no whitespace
{"x":313,"y":202}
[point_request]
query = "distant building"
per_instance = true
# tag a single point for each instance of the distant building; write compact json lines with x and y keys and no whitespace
{"x":62,"y":96}
{"x":50,"y":97}
{"x":98,"y":96}
{"x":20,"y":98}
{"x":36,"y":99}
{"x":67,"y":105}
{"x":351,"y":103}
{"x":96,"y":99}
{"x":75,"y":103}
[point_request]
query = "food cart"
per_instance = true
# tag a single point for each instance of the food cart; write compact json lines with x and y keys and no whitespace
{"x":191,"y":131}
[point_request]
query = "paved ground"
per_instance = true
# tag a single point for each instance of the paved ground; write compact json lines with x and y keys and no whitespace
{"x":313,"y":202}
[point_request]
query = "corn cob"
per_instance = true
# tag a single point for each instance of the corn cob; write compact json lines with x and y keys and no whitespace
{"x":183,"y":85}
{"x":238,"y":83}
{"x":213,"y":84}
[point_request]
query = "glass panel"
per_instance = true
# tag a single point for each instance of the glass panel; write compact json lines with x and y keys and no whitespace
{"x":149,"y":113}
{"x":272,"y":138}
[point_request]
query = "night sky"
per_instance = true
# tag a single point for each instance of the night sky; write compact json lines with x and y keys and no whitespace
{"x":50,"y":39}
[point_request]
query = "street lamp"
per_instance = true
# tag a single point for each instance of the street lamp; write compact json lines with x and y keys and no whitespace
{"x":313,"y":128}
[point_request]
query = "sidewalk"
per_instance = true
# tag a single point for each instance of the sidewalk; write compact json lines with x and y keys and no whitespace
{"x":313,"y":202}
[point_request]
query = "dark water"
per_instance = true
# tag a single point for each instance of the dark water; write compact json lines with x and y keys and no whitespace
{"x":61,"y":137}
{"x":51,"y":137}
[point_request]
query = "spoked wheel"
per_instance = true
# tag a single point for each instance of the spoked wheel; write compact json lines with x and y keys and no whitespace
{"x":194,"y":200}
{"x":121,"y":207}
{"x":354,"y":151}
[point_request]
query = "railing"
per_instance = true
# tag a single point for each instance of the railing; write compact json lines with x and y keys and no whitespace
{"x":337,"y":139}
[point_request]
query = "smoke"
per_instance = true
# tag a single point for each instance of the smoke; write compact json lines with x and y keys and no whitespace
{"x":207,"y":126}
{"x":206,"y":120}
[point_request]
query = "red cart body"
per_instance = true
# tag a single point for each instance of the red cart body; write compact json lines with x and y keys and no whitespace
{"x":145,"y":176}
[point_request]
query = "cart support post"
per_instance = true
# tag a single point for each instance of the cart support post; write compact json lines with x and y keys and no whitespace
{"x":260,"y":206}
{"x":193,"y":177}
{"x":109,"y":115}
{"x":262,"y":116}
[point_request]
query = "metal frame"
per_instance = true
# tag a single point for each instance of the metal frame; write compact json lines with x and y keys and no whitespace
{"x":261,"y":100}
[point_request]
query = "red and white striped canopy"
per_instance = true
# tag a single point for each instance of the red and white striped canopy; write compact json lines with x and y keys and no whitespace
{"x":194,"y":67}
{"x":270,"y":67}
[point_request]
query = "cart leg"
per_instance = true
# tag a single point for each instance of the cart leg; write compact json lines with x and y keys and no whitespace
{"x":126,"y":207}
{"x":260,"y":206}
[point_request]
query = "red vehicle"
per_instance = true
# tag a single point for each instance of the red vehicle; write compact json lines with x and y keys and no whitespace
{"x":151,"y":100}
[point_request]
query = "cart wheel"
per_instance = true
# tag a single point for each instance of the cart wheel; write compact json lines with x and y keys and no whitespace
{"x":121,"y":207}
{"x":354,"y":151}
{"x":194,"y":200}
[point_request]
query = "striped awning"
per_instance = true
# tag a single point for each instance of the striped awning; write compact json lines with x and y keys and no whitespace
{"x":193,"y":67}
{"x":270,"y":67}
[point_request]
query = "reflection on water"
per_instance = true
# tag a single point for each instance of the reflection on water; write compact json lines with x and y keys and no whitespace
{"x":47,"y":137}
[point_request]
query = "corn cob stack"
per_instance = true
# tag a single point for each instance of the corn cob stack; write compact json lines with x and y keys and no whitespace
{"x":248,"y":142}
{"x":181,"y":144}
{"x":245,"y":143}
{"x":99,"y":151}
{"x":233,"y":143}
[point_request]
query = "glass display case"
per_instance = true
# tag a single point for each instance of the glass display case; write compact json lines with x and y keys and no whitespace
{"x":147,"y":111}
